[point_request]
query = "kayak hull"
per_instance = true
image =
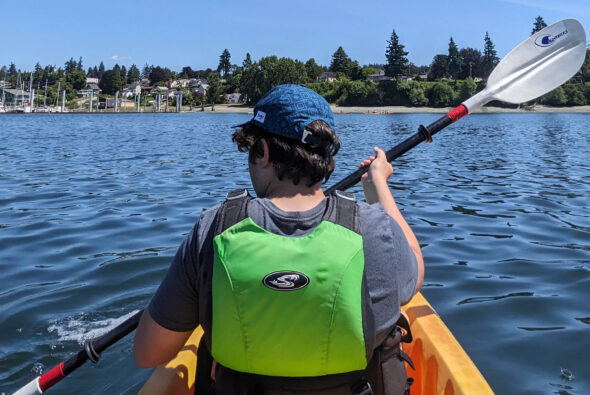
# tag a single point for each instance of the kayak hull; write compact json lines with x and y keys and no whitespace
{"x":442,"y":366}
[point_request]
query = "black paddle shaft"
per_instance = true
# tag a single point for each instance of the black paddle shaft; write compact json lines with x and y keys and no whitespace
{"x":424,"y":133}
{"x":93,"y":348}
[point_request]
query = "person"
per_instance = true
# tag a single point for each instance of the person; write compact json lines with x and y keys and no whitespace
{"x":297,"y":292}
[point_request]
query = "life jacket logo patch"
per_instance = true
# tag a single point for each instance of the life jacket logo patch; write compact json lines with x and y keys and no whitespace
{"x":285,"y":280}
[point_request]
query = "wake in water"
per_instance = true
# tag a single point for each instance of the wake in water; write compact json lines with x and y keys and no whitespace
{"x":80,"y":329}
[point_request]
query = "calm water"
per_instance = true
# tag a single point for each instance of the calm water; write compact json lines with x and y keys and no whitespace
{"x":93,"y":207}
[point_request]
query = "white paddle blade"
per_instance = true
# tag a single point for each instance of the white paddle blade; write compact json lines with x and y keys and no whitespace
{"x":539,"y":64}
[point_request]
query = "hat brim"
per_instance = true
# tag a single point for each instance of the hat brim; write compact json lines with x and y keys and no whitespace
{"x":242,"y":124}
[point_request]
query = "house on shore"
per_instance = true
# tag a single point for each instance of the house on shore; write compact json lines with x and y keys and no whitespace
{"x":328,"y":76}
{"x":201,"y":89}
{"x":91,"y":87}
{"x":180,"y":83}
{"x":379,"y":76}
{"x":16,"y":97}
{"x":132,"y":90}
{"x":233,"y":98}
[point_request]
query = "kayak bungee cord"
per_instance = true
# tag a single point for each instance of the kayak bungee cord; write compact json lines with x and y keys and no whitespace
{"x":536,"y":66}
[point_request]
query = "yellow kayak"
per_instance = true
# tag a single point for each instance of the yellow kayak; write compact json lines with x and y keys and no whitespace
{"x":442,"y":366}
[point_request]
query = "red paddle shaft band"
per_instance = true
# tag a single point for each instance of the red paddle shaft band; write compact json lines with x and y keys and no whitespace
{"x":52,"y":377}
{"x":457,"y":113}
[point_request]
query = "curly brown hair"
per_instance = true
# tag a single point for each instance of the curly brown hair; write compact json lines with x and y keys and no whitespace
{"x":291,"y":158}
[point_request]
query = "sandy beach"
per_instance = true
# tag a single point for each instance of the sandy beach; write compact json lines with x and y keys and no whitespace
{"x":237,"y":108}
{"x":369,"y":110}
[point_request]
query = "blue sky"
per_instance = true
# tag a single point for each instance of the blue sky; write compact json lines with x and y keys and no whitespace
{"x":177,"y":33}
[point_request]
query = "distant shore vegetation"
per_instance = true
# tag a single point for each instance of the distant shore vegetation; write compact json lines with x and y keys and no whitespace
{"x":450,"y":78}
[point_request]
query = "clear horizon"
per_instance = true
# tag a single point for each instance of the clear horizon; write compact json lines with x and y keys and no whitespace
{"x":187,"y":33}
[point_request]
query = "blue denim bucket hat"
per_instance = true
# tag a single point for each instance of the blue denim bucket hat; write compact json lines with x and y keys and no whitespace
{"x":286,"y":110}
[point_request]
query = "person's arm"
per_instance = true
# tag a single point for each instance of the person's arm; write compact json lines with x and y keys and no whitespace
{"x":172,"y":314}
{"x":154,"y":344}
{"x":376,"y":190}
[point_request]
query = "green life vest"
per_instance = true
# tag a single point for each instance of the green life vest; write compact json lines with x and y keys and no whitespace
{"x":290,"y":306}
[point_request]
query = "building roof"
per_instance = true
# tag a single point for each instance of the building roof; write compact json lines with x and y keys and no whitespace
{"x":15,"y":92}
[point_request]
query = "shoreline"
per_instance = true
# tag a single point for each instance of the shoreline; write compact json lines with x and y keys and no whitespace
{"x":369,"y":110}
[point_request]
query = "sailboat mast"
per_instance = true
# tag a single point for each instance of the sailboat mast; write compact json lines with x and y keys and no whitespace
{"x":57,"y":96}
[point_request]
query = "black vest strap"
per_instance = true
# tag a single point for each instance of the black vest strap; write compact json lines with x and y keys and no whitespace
{"x":233,"y":210}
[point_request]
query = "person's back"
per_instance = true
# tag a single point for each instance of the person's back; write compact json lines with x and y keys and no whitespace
{"x":295,"y":290}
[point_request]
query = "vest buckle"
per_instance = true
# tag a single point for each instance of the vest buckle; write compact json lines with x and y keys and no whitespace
{"x":362,"y":388}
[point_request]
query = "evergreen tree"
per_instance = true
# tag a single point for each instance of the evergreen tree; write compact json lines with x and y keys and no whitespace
{"x":12,"y":69}
{"x":147,"y":70}
{"x":79,"y":66}
{"x":585,"y":70}
{"x":38,"y":74}
{"x":247,"y":62}
{"x":89,"y":73}
{"x":133,"y":74}
{"x":455,"y":64}
{"x":76,"y":79}
{"x":100,"y":70}
{"x":224,"y":62}
{"x":124,"y":75}
{"x":111,"y":82}
{"x":340,"y":62}
{"x":397,"y":62}
{"x":3,"y":72}
{"x":71,"y":65}
{"x":538,"y":25}
{"x":489,"y":59}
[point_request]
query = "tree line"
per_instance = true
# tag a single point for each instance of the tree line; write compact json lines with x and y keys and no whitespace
{"x":450,"y":78}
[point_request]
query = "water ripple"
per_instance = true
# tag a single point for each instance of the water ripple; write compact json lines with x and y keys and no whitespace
{"x":91,"y":217}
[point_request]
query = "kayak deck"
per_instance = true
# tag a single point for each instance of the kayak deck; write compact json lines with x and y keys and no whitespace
{"x":442,"y":366}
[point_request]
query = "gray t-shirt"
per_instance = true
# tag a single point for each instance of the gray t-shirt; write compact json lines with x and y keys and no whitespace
{"x":390,"y":265}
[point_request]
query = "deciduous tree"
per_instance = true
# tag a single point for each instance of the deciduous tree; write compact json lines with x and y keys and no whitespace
{"x":471,"y":59}
{"x":313,"y":70}
{"x":439,"y":68}
{"x":215,"y":89}
{"x":442,"y":95}
{"x":157,"y":74}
